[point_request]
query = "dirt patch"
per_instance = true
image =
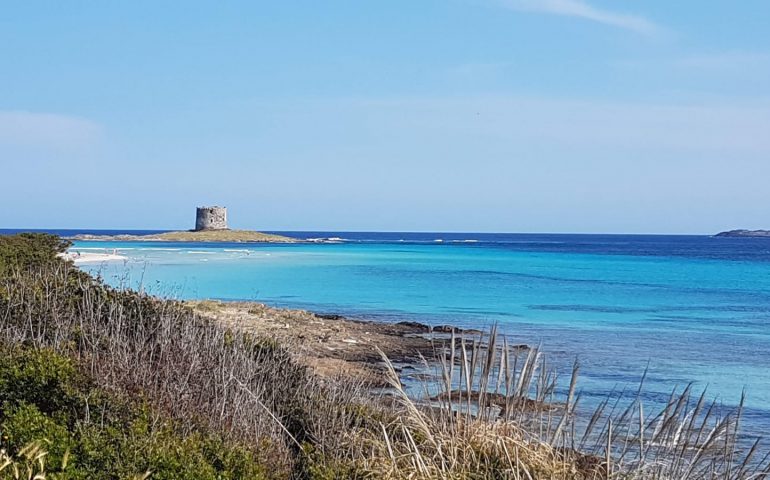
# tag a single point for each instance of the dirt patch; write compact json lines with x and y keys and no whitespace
{"x":330,"y":344}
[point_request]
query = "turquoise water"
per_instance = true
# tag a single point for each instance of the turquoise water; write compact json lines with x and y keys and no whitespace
{"x":696,"y":308}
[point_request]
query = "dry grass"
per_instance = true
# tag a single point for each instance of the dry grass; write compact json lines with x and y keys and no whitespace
{"x":497,"y":412}
{"x":206,"y":376}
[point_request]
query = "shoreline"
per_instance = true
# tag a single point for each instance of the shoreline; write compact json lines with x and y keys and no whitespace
{"x":333,"y":344}
{"x":78,"y":257}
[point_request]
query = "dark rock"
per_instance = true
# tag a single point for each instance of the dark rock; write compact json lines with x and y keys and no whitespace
{"x":446,"y":329}
{"x":450,"y":329}
{"x":414,"y":325}
{"x":329,"y":316}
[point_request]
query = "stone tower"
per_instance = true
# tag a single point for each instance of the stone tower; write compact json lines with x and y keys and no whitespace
{"x":211,"y":218}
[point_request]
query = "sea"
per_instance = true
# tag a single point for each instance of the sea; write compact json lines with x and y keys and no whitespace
{"x":686,"y":309}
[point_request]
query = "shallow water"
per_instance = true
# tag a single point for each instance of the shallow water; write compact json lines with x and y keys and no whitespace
{"x":696,"y":308}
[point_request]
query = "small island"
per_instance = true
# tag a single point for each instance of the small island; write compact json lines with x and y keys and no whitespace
{"x":210,"y":226}
{"x":744,"y":233}
{"x":235,"y":236}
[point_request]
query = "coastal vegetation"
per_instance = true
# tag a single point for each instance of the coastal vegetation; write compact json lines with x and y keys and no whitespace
{"x":107,"y":384}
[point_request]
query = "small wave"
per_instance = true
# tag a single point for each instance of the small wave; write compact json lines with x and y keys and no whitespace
{"x":439,"y":240}
{"x":196,"y":252}
{"x":530,"y":242}
{"x":327,"y":240}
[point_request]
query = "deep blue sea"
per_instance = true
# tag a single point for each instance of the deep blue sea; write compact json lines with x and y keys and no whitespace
{"x":695,"y":308}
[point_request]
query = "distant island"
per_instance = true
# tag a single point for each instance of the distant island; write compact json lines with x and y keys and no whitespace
{"x":245,"y":236}
{"x":210,"y":226}
{"x":744,"y":233}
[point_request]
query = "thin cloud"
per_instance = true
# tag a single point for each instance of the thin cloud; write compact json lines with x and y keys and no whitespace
{"x":583,"y":10}
{"x":47,"y":130}
{"x":526,"y":125}
{"x":744,"y":65}
{"x":725,"y":61}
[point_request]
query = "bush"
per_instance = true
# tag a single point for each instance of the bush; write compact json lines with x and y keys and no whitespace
{"x":89,"y":433}
{"x":29,"y":250}
{"x":38,"y":377}
{"x":24,"y":424}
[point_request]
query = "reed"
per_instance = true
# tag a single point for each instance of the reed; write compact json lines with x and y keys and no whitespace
{"x":487,"y":385}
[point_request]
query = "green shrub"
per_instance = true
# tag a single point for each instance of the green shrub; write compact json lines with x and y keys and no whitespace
{"x":24,"y":424}
{"x":141,"y":447}
{"x":28,"y":250}
{"x":321,"y":467}
{"x":38,"y":377}
{"x":44,"y":402}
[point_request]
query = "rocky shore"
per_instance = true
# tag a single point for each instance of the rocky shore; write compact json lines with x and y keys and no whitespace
{"x":333,"y":344}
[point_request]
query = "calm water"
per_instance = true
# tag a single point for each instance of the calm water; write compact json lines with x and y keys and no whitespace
{"x":696,"y":308}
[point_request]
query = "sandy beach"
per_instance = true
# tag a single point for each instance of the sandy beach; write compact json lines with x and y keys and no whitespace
{"x":79,"y":257}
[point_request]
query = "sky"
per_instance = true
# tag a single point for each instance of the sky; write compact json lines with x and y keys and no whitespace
{"x":574,"y":116}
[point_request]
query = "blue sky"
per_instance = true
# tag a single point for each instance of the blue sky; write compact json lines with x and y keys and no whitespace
{"x":451,"y":115}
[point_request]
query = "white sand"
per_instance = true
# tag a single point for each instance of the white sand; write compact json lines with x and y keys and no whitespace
{"x":91,"y":257}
